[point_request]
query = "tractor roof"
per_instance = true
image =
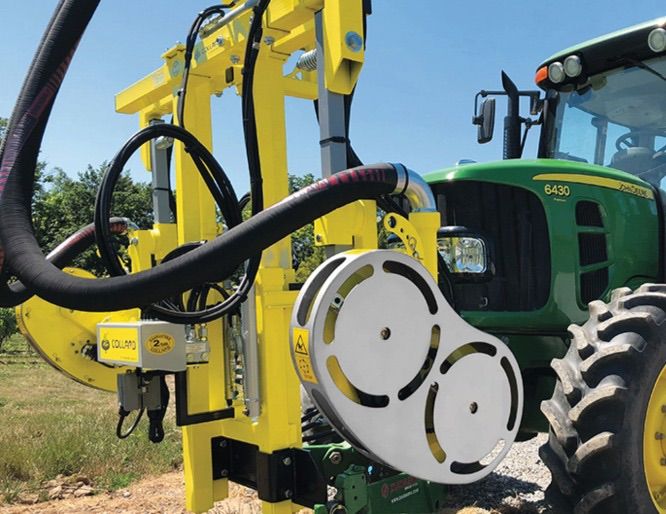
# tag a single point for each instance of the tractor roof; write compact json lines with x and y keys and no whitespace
{"x":608,"y":51}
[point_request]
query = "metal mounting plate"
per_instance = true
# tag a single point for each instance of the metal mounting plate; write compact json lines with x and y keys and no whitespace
{"x":399,"y":374}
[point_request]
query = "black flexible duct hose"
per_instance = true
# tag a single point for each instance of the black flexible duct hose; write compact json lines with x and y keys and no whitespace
{"x":16,"y":293}
{"x":210,"y":263}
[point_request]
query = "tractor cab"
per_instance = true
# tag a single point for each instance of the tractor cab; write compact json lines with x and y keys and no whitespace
{"x":606,"y":103}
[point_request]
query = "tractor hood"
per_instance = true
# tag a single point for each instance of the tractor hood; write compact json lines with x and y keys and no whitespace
{"x":536,"y":174}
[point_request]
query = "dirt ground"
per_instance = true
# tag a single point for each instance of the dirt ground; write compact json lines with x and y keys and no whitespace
{"x":164,"y":495}
{"x":159,"y":495}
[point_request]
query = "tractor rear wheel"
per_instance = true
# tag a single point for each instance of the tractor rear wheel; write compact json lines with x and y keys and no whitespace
{"x":607,"y":448}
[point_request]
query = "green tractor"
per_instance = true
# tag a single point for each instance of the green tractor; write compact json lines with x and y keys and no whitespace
{"x":563,"y":258}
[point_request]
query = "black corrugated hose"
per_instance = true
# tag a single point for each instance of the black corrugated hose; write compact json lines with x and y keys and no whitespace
{"x":211,"y":262}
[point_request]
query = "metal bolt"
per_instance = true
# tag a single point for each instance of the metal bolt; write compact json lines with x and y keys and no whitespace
{"x":659,"y":436}
{"x":269,"y":40}
{"x":235,"y":59}
{"x":220,"y":41}
{"x":318,"y":238}
{"x":335,"y":458}
{"x":354,"y":41}
{"x":286,"y":461}
{"x":288,"y":493}
{"x":663,"y":462}
{"x":224,"y":473}
{"x":663,"y":409}
{"x":385,"y":333}
{"x":223,"y":443}
{"x":134,"y":241}
{"x":473,"y":407}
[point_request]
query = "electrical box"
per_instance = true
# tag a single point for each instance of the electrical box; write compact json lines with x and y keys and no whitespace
{"x":153,"y":345}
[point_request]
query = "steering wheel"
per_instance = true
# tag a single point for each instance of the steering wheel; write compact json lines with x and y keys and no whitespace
{"x":624,"y":139}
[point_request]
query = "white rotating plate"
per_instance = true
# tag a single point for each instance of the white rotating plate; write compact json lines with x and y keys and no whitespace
{"x":399,"y":374}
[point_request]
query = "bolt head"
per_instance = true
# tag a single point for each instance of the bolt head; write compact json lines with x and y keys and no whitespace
{"x":220,"y":41}
{"x":335,"y":458}
{"x":286,"y":461}
{"x":288,"y":493}
{"x":235,"y":59}
{"x":354,"y":41}
{"x":269,"y":40}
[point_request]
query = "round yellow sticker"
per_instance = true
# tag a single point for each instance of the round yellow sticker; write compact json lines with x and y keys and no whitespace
{"x":159,"y":344}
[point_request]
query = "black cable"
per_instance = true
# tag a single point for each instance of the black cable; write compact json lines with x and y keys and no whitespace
{"x":255,"y":34}
{"x":251,"y":139}
{"x":190,"y":42}
{"x":218,"y":184}
{"x":156,"y":416}
{"x":318,"y":437}
{"x":122,"y":415}
{"x":311,"y":413}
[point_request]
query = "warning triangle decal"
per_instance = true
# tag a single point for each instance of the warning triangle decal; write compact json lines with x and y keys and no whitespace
{"x":300,"y":346}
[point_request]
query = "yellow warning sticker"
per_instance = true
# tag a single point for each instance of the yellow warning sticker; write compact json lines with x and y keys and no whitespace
{"x":301,"y":349}
{"x":119,"y":344}
{"x":159,"y":344}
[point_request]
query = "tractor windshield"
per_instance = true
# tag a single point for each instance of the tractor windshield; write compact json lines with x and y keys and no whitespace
{"x":617,"y":119}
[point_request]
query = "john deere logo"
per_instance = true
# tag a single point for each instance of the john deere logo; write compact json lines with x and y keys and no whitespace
{"x":106,"y":345}
{"x":159,"y":344}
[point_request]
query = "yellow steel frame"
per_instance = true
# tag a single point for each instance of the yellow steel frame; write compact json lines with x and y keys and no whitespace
{"x":289,"y":26}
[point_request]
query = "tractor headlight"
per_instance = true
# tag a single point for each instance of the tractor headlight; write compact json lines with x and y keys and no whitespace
{"x":556,"y":72}
{"x":466,"y":253}
{"x":657,"y":40}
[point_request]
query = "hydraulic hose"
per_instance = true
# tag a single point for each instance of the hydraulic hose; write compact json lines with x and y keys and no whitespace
{"x":209,"y":263}
{"x":16,"y":293}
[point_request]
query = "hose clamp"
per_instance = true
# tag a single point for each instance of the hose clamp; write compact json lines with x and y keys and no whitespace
{"x":415,"y":189}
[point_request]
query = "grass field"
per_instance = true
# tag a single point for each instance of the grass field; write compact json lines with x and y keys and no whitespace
{"x":50,"y":426}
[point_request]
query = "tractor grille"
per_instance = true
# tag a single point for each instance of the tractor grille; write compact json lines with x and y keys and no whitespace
{"x":592,"y":251}
{"x":588,"y":214}
{"x":514,"y":221}
{"x":592,"y":248}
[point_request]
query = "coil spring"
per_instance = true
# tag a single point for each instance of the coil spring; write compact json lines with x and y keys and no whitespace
{"x":308,"y":61}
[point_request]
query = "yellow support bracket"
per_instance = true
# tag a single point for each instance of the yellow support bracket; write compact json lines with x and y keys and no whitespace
{"x":345,"y":44}
{"x":418,"y":235}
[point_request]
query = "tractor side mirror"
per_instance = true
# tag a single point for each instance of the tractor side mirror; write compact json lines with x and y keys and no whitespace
{"x":486,"y":121}
{"x":536,"y":104}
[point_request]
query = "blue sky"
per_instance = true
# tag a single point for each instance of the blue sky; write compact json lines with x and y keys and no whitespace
{"x":425,"y":62}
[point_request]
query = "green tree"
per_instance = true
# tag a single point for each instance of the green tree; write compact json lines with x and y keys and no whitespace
{"x":67,"y":204}
{"x":7,"y":324}
{"x":307,"y":257}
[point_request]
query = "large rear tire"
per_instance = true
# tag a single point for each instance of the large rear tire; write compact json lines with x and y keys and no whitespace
{"x":606,"y":449}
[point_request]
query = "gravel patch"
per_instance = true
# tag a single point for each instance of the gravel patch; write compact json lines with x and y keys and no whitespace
{"x":517,"y":485}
